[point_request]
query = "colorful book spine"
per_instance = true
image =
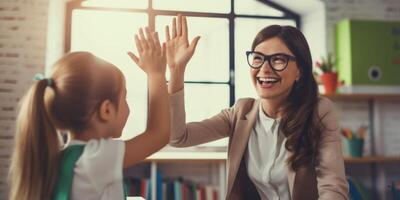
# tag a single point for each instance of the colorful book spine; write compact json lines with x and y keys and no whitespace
{"x":171,"y":189}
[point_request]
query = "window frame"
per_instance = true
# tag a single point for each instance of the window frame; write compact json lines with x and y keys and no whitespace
{"x":152,"y":13}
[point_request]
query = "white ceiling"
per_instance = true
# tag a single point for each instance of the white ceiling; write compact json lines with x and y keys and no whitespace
{"x":302,"y":7}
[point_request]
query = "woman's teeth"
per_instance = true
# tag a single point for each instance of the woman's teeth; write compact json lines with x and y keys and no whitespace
{"x":262,"y":80}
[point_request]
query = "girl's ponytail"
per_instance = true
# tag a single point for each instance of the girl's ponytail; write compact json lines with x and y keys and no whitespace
{"x":34,"y":166}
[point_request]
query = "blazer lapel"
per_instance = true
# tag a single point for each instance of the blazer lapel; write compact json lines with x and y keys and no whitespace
{"x":304,"y":179}
{"x":239,"y":142}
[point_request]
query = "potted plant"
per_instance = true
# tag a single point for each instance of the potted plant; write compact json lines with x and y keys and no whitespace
{"x":328,"y":74}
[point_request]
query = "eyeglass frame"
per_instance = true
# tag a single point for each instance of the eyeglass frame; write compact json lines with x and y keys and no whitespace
{"x":268,"y":57}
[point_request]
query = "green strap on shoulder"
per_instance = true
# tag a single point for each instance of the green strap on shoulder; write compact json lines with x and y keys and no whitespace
{"x":64,"y":184}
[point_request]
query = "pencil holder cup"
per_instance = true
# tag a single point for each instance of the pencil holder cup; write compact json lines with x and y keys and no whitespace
{"x":354,"y":147}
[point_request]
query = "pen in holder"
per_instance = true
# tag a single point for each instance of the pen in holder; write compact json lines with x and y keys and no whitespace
{"x":354,"y":141}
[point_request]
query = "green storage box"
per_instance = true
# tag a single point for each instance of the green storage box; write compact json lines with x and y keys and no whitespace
{"x":368,"y":53}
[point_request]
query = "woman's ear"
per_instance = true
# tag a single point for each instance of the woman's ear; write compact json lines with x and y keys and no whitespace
{"x":106,"y":110}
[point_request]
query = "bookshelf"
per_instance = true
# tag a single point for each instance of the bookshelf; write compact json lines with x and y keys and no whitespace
{"x":372,"y":159}
{"x":220,"y":157}
{"x":192,"y":157}
{"x":202,"y":166}
{"x":374,"y":165}
{"x":365,"y":97}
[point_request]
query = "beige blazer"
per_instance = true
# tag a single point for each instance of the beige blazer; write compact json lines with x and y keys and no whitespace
{"x":326,"y":181}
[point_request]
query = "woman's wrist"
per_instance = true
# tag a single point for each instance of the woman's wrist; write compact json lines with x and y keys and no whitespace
{"x":176,"y":83}
{"x":177,"y":78}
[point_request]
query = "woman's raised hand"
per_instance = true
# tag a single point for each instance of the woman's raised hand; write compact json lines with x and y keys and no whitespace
{"x":179,"y":52}
{"x":152,"y":56}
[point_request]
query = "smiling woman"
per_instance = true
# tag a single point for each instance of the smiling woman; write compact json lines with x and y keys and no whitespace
{"x":288,"y":132}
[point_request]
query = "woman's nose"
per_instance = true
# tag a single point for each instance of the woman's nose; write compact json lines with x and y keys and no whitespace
{"x":266,"y":67}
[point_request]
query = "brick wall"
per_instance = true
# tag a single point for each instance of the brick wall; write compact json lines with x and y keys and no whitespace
{"x":23,"y":27}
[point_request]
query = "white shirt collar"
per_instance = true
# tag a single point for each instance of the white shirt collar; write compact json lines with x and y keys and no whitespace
{"x":267,"y":122}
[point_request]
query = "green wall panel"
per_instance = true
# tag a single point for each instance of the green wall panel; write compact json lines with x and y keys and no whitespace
{"x":368,"y":52}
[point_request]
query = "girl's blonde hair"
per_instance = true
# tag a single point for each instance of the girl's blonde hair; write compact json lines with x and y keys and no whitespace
{"x":66,"y":101}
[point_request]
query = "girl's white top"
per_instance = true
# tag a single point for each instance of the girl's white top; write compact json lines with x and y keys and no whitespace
{"x":98,"y":172}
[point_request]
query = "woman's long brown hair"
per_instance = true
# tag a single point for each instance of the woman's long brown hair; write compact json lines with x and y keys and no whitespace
{"x":65,"y":101}
{"x":300,"y":122}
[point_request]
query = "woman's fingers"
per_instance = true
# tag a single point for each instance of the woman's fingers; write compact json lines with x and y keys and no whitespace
{"x":164,"y":50}
{"x":174,"y":27}
{"x":184,"y":28}
{"x":167,"y":36}
{"x":179,"y":29}
{"x":193,"y":44}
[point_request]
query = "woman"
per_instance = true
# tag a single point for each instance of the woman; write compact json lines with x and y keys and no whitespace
{"x":283,"y":145}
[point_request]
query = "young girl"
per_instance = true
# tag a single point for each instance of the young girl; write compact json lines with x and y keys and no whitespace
{"x":86,"y":96}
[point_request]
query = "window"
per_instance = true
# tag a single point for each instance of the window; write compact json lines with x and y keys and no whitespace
{"x":216,"y":76}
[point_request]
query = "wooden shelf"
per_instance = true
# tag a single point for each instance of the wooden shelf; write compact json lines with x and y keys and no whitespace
{"x":203,"y":157}
{"x":372,"y":159}
{"x":217,"y":157}
{"x":365,"y":97}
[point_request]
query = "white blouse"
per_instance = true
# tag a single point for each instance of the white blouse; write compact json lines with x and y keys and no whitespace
{"x":265,"y":159}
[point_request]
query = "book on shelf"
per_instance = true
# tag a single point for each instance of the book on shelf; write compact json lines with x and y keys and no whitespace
{"x":395,"y":189}
{"x":357,"y":191}
{"x":171,"y":189}
{"x":138,"y":187}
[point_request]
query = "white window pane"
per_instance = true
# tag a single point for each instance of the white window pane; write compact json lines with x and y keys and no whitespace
{"x":210,"y":62}
{"x":139,"y":4}
{"x":203,"y":101}
{"x":97,"y":32}
{"x":213,"y":6}
{"x":245,"y":31}
{"x":254,"y":7}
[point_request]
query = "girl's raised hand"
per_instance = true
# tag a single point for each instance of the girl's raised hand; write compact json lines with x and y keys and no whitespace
{"x":152,"y":56}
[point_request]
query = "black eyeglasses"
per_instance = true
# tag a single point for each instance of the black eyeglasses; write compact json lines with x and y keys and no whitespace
{"x":278,"y":61}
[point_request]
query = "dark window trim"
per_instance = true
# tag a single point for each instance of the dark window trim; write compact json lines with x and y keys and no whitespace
{"x":288,"y":14}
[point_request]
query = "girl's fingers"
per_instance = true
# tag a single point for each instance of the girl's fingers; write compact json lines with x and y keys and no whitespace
{"x":143,"y":40}
{"x":149,"y":37}
{"x":134,"y":57}
{"x":156,"y":40}
{"x":138,"y":44}
{"x":167,"y":36}
{"x":174,"y":28}
{"x":179,"y":30}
